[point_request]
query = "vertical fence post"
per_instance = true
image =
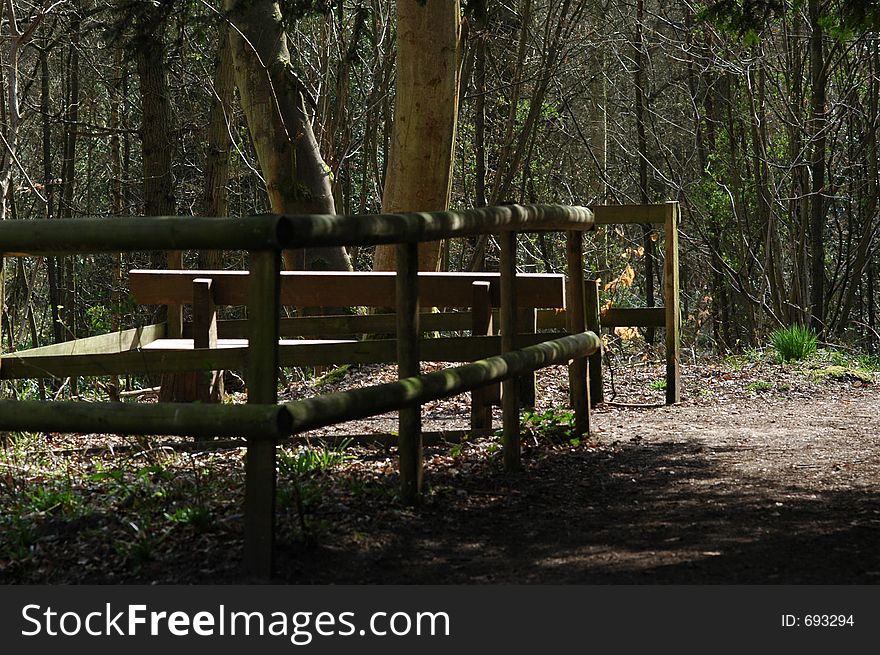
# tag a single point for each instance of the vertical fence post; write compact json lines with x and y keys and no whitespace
{"x":578,"y":390}
{"x":507,"y":318}
{"x":264,"y":317}
{"x":671,"y":303}
{"x":481,"y":325}
{"x":408,"y":358}
{"x":591,"y":305}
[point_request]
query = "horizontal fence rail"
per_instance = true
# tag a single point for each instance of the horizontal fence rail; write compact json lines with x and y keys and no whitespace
{"x":278,"y":421}
{"x":432,"y":226}
{"x":272,"y":232}
{"x":139,"y":233}
{"x":343,"y":406}
{"x":177,"y":419}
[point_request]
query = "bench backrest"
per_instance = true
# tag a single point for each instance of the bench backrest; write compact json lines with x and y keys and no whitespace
{"x":345,"y":289}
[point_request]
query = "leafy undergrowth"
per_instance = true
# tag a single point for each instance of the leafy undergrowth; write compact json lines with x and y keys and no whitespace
{"x":73,"y":510}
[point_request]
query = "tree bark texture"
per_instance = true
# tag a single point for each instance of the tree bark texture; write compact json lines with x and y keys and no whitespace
{"x":419,"y":171}
{"x":159,"y":200}
{"x":274,"y":103}
{"x":156,"y":127}
{"x":215,"y":201}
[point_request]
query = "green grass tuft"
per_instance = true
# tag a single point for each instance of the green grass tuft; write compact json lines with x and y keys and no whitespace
{"x":794,"y":343}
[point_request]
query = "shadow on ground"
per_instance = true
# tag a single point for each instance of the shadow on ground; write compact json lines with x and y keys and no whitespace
{"x":635,"y":513}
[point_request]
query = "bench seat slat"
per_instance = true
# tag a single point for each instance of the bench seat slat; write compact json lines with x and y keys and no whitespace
{"x":344,"y":289}
{"x":187,"y":344}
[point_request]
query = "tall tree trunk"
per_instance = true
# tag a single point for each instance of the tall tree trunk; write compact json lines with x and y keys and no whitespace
{"x":869,"y":205}
{"x":215,"y":200}
{"x":480,"y":55}
{"x":703,"y":87}
{"x":798,"y":205}
{"x":774,"y":255}
{"x":11,"y":118}
{"x":156,"y":142}
{"x":501,"y":179}
{"x":158,"y":182}
{"x":49,"y":185}
{"x":274,"y":103}
{"x":116,"y":200}
{"x":818,"y":125}
{"x":419,"y":172}
{"x":68,"y":181}
{"x":156,"y":129}
{"x":872,"y":309}
{"x":641,"y":108}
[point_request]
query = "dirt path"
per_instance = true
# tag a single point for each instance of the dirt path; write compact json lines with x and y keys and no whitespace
{"x":735,"y":486}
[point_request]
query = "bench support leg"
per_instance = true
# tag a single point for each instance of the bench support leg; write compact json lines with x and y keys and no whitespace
{"x":209,"y":384}
{"x":176,"y":387}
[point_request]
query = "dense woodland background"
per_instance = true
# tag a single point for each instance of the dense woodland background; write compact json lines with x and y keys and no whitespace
{"x":761,"y":119}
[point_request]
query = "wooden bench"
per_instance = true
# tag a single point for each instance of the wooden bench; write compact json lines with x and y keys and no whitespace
{"x":465,"y":300}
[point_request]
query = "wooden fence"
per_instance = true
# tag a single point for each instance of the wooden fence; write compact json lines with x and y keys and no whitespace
{"x":262,"y":420}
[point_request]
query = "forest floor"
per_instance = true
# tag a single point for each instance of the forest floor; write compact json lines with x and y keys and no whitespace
{"x":765,"y":473}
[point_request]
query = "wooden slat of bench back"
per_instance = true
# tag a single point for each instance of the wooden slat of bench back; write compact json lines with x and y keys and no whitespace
{"x":344,"y":289}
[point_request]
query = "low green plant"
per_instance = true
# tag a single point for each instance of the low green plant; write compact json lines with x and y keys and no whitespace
{"x":794,"y":343}
{"x":301,"y":485}
{"x":552,"y":424}
{"x":140,"y":547}
{"x":18,"y":535}
{"x":759,"y":385}
{"x":19,"y":447}
{"x":869,"y":362}
{"x":129,"y":484}
{"x":311,"y":460}
{"x":198,"y":517}
{"x":47,"y":499}
{"x":658,"y":385}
